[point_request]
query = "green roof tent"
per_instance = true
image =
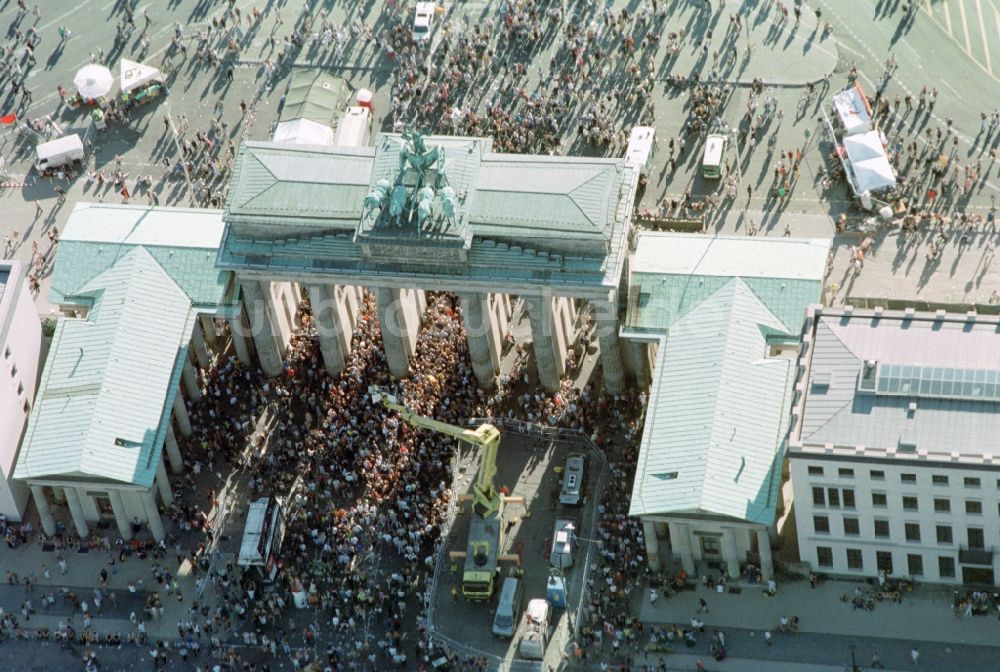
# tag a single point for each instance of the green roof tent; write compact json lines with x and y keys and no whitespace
{"x":315,"y":95}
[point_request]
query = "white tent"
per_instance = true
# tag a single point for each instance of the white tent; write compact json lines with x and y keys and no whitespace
{"x":135,"y":75}
{"x":94,"y":81}
{"x":852,"y":111}
{"x":303,"y":132}
{"x":868,"y":163}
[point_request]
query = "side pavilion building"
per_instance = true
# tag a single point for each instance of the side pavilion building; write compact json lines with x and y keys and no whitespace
{"x":415,"y":214}
{"x":724,"y":317}
{"x":141,"y":292}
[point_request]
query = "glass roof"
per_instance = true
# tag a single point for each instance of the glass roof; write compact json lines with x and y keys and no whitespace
{"x":938,"y":382}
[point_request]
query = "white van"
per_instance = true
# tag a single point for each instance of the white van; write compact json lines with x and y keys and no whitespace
{"x":536,"y":630}
{"x":574,"y":477}
{"x":711,"y":163}
{"x":262,"y":536}
{"x":508,"y":608}
{"x":58,"y":153}
{"x":563,"y":543}
{"x":354,"y":128}
{"x":640,"y":150}
{"x":423,"y":21}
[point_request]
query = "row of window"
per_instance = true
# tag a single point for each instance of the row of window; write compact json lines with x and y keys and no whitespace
{"x":836,"y":498}
{"x":879,"y":475}
{"x":883,"y":561}
{"x":976,"y":537}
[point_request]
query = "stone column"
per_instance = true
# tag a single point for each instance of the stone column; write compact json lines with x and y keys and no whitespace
{"x":76,"y":511}
{"x":478,"y":329}
{"x":764,"y":550}
{"x":729,"y":553}
{"x":181,"y":415}
{"x":191,"y":384}
{"x":652,"y":545}
{"x":638,"y":362}
{"x":256,"y":296}
{"x":121,"y":517}
{"x":680,"y":543}
{"x":395,"y":330}
{"x":238,"y":332}
{"x":44,"y":512}
{"x":199,"y":347}
{"x":163,"y":485}
{"x":173,"y":452}
{"x":152,"y":515}
{"x":328,"y":328}
{"x":611,"y":356}
{"x":208,"y":327}
{"x":540,"y":316}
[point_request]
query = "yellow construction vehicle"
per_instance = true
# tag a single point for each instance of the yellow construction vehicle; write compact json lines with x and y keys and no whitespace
{"x":482,"y":556}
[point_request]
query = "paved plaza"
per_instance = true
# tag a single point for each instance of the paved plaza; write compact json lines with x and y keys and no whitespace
{"x":570,"y":79}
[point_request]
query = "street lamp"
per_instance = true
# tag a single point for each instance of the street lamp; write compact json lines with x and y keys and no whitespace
{"x":854,"y":663}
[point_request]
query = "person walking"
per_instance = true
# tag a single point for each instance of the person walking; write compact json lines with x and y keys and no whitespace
{"x":652,"y":596}
{"x":915,"y":656}
{"x":702,"y":606}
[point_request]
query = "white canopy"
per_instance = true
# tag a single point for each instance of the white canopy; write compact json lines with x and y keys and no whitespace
{"x":135,"y":75}
{"x":867,"y":161}
{"x":852,"y":111}
{"x":93,"y":81}
{"x":303,"y":132}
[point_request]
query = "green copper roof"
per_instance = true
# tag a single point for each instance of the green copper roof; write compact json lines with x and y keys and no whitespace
{"x":718,"y":413}
{"x":110,"y":379}
{"x":184,"y":241}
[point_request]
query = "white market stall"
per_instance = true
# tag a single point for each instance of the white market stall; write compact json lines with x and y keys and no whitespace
{"x":303,"y":132}
{"x":93,"y":84}
{"x":140,"y":83}
{"x":866,"y":164}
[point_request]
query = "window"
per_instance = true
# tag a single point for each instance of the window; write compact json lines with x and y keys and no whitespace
{"x":847,"y":495}
{"x":971,"y":482}
{"x":851,"y":527}
{"x":944,"y":534}
{"x":907,"y":478}
{"x":815,"y":471}
{"x":915,"y":564}
{"x":946,"y":567}
{"x":879,"y":500}
{"x":6,"y":353}
{"x":912,"y":531}
{"x":819,"y":497}
{"x":973,"y":507}
{"x":909,"y":503}
{"x":939,"y":479}
{"x":942,"y":505}
{"x":13,"y":370}
{"x":845,"y":473}
{"x":883,"y":561}
{"x":882,"y":529}
{"x":854,"y":559}
{"x":821,"y":524}
{"x":824,"y":556}
{"x":833,"y":496}
{"x":977,"y":539}
{"x":877,"y":475}
{"x":20,"y":389}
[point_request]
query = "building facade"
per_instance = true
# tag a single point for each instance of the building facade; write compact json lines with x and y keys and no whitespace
{"x":20,"y":343}
{"x":726,"y":315}
{"x":893,"y":453}
{"x":141,"y":299}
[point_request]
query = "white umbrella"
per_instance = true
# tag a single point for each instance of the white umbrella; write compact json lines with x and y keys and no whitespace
{"x":93,"y":81}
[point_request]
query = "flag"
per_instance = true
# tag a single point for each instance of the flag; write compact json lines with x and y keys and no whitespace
{"x":8,"y":119}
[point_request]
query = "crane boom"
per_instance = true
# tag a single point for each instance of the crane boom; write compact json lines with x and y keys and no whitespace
{"x":487,"y":500}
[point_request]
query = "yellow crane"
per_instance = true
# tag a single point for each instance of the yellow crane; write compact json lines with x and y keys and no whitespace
{"x":485,"y":529}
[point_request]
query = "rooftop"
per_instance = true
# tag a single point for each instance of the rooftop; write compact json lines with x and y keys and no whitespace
{"x":672,"y":273}
{"x":110,"y":378}
{"x":184,"y":241}
{"x":718,"y":413}
{"x":903,"y":384}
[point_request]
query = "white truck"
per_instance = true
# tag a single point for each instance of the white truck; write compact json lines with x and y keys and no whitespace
{"x":59,"y":153}
{"x":535,"y":636}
